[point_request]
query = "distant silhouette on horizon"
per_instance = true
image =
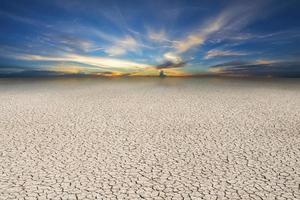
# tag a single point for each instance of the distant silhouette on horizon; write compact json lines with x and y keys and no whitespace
{"x":162,"y":74}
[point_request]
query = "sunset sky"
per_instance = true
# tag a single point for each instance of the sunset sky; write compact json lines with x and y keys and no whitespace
{"x":141,"y":38}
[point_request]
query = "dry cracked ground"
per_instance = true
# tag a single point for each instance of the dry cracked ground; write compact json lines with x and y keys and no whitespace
{"x":149,"y":139}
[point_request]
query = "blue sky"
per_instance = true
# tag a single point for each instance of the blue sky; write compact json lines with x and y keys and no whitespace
{"x":113,"y":38}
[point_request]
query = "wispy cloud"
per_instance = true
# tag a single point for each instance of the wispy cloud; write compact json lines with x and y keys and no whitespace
{"x":113,"y":44}
{"x":122,"y":46}
{"x":67,"y":68}
{"x":115,"y":51}
{"x":221,"y":53}
{"x":22,"y":19}
{"x":69,"y":42}
{"x":168,"y":64}
{"x":233,"y":18}
{"x":157,"y":36}
{"x":160,"y":36}
{"x":258,"y":68}
{"x":172,"y":57}
{"x":89,"y":60}
{"x":188,"y":43}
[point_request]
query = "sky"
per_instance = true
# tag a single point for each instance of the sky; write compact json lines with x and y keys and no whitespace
{"x":143,"y":38}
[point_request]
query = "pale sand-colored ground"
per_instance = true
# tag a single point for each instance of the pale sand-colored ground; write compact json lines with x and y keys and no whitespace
{"x":149,"y":139}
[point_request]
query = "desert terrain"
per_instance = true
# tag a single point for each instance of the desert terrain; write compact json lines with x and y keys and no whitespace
{"x":149,"y":138}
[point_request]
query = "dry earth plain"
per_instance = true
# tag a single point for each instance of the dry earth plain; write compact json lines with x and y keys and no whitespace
{"x":149,"y":139}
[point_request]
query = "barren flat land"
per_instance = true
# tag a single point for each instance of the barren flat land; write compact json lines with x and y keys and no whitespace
{"x":149,"y":138}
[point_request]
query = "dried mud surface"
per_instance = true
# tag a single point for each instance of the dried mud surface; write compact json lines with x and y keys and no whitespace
{"x":149,"y":139}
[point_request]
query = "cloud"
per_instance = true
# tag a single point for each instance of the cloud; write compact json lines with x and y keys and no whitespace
{"x":169,"y":64}
{"x":172,"y":57}
{"x":188,"y":43}
{"x":100,"y":34}
{"x":89,"y":60}
{"x":258,"y":68}
{"x":109,"y":43}
{"x":220,"y":53}
{"x":6,"y":70}
{"x":22,"y":19}
{"x":62,"y":69}
{"x":122,"y":46}
{"x":75,"y":68}
{"x":113,"y":74}
{"x":115,"y":51}
{"x":231,"y":19}
{"x":171,"y":60}
{"x":69,"y":42}
{"x":158,"y":36}
{"x":32,"y":73}
{"x":114,"y":45}
{"x":128,"y":42}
